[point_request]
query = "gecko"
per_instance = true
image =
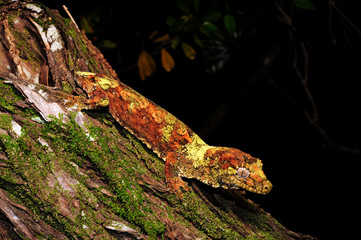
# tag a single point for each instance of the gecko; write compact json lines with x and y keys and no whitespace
{"x":185,"y":154}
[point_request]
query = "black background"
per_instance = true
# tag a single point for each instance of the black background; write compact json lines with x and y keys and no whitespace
{"x":315,"y":185}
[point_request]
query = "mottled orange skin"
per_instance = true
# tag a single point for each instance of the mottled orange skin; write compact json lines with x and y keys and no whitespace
{"x":185,"y":154}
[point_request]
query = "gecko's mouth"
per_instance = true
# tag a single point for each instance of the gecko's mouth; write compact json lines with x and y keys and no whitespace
{"x":247,"y":183}
{"x":262,"y":187}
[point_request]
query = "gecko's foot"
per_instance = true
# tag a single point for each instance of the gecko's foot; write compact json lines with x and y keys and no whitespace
{"x":70,"y":101}
{"x":81,"y":103}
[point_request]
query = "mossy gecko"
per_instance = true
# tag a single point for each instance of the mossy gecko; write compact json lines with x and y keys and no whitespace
{"x":184,"y":152}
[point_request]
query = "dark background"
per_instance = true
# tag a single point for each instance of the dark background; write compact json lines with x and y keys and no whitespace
{"x":256,"y":107}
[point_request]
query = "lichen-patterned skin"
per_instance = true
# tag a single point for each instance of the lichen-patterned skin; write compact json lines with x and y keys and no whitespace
{"x":184,"y":153}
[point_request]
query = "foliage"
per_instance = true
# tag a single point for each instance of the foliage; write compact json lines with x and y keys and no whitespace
{"x":214,"y":31}
{"x":146,"y":65}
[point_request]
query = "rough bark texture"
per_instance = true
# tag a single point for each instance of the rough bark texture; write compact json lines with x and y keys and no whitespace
{"x":80,"y":175}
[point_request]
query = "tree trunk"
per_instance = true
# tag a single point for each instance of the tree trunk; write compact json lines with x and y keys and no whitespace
{"x":79,"y":175}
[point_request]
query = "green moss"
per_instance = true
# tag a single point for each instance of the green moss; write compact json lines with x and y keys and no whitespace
{"x":198,"y":212}
{"x":5,"y":121}
{"x":29,"y":162}
{"x":8,"y":97}
{"x":82,"y":49}
{"x":70,"y":61}
{"x":28,"y":170}
{"x":66,"y":87}
{"x":118,"y":169}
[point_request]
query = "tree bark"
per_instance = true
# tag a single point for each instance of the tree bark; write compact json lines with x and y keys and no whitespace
{"x":78,"y":175}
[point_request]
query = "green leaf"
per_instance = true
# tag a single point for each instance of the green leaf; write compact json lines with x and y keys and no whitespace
{"x":213,"y":16}
{"x":230,"y":25}
{"x":175,"y":42}
{"x":196,"y":4}
{"x":305,"y":4}
{"x":198,"y":41}
{"x":211,"y":31}
{"x":189,"y":51}
{"x":183,"y":6}
{"x":209,"y":28}
{"x":108,"y":44}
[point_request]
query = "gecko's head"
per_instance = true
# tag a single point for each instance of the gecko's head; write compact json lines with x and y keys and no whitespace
{"x":236,"y":169}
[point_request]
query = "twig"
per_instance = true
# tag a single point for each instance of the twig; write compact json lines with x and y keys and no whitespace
{"x":330,"y":23}
{"x":313,"y":118}
{"x":304,"y":78}
{"x":304,"y":81}
{"x":71,"y":17}
{"x":287,"y":19}
{"x":332,"y":4}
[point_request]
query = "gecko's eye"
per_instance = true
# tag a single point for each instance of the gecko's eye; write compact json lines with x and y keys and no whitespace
{"x":243,"y":172}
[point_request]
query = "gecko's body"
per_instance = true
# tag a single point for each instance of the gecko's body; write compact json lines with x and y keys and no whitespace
{"x":185,"y":154}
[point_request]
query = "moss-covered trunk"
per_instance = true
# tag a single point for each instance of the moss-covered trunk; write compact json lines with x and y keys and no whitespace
{"x":78,"y":175}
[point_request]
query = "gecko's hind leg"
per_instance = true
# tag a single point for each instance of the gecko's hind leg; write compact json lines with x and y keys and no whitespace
{"x":83,"y":103}
{"x":174,"y":181}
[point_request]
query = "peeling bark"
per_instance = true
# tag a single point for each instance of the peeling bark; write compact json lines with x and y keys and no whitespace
{"x":79,"y":175}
